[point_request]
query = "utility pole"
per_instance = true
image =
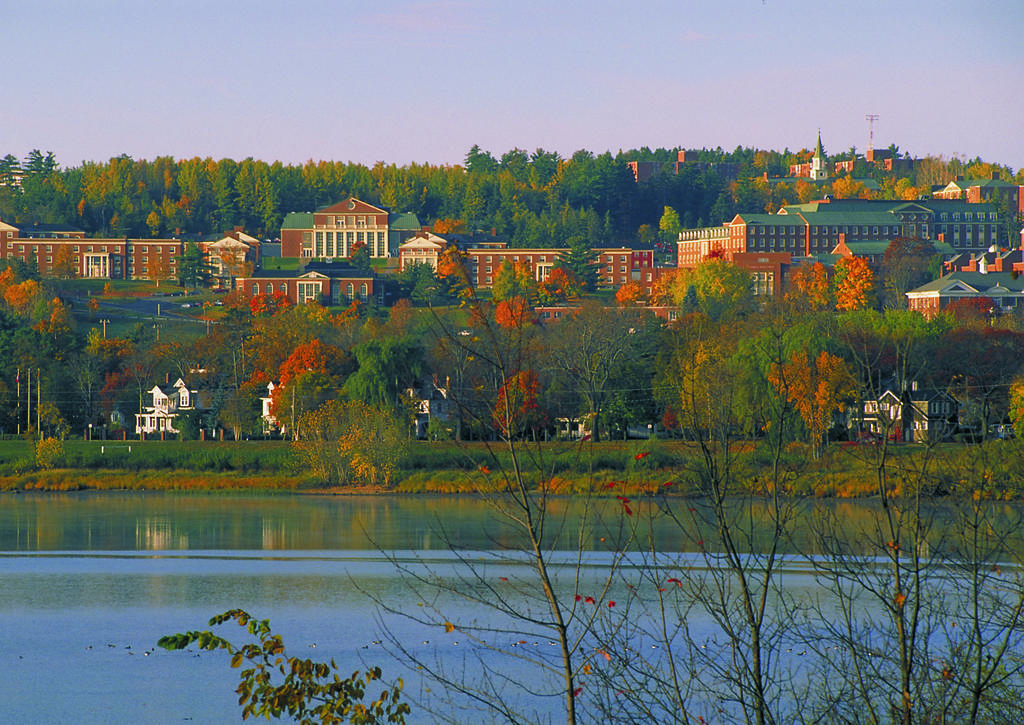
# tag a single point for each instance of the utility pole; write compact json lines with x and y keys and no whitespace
{"x":28,"y":398}
{"x":17,"y":380}
{"x":39,"y":401}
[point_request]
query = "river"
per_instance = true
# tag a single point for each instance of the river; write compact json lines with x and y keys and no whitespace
{"x":89,"y":582}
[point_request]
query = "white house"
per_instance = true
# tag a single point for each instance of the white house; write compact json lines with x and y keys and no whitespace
{"x":168,"y":402}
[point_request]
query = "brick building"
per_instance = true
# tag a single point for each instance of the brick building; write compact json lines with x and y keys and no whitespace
{"x":979,"y":191}
{"x":333,"y":231}
{"x":615,"y":265}
{"x":333,"y":283}
{"x":1005,"y":289}
{"x":122,"y":258}
{"x":818,"y":227}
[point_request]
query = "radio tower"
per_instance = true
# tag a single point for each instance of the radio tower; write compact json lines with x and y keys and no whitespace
{"x":871,"y":118}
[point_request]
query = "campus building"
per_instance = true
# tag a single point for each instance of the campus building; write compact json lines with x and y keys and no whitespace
{"x":66,"y":251}
{"x":334,"y":231}
{"x":818,"y":227}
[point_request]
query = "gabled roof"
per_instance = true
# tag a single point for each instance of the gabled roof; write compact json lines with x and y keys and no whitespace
{"x":7,"y":227}
{"x":997,"y":284}
{"x":351,"y":205}
{"x":425,"y":240}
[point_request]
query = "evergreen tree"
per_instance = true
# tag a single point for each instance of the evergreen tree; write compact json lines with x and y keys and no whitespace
{"x":193,"y":268}
{"x":582,"y":262}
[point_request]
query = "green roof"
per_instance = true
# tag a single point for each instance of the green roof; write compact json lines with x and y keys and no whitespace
{"x":977,"y":280}
{"x":298,"y":220}
{"x":403,"y":222}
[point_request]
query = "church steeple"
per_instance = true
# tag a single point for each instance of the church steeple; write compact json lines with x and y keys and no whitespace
{"x":819,"y":167}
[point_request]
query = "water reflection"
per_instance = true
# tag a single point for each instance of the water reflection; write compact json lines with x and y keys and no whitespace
{"x":169,"y":522}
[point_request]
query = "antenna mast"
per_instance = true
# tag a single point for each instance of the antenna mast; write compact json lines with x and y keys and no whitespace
{"x":871,"y":118}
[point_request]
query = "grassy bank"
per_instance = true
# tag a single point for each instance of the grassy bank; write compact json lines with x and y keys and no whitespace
{"x":609,"y":468}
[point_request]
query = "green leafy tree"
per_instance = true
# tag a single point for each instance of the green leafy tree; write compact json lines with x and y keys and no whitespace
{"x":514,"y":280}
{"x":359,"y":257}
{"x":277,"y":684}
{"x":669,"y":225}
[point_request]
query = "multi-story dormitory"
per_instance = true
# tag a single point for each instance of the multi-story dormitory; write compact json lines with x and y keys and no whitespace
{"x":52,"y":247}
{"x":818,"y":227}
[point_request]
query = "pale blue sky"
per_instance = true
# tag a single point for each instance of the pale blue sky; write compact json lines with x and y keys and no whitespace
{"x":423,"y":81}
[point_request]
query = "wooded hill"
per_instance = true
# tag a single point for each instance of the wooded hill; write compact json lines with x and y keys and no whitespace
{"x":529,"y":199}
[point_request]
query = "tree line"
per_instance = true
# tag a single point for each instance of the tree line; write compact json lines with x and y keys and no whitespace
{"x":533,"y":199}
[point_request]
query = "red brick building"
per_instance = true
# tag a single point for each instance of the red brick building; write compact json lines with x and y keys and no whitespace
{"x":332,"y":232}
{"x":329,"y":283}
{"x":92,"y":258}
{"x":615,"y":265}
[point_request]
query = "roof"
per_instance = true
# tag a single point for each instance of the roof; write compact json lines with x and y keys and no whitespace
{"x":313,"y":270}
{"x":404,"y":221}
{"x":973,"y":284}
{"x":353,"y":205}
{"x":298,"y":220}
{"x":868,"y":248}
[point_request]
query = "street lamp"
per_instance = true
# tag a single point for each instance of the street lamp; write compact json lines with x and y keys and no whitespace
{"x":90,"y":431}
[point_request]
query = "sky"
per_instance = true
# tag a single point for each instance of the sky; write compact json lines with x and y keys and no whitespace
{"x":401,"y":82}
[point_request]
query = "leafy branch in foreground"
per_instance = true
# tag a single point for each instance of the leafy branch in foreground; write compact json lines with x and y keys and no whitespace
{"x":310,"y":691}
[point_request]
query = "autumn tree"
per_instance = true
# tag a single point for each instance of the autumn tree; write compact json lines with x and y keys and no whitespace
{"x":586,"y":349}
{"x":817,"y":388}
{"x":809,"y":287}
{"x":514,"y":279}
{"x":721,"y":288}
{"x":853,"y":283}
{"x":309,"y":376}
{"x":628,"y":294}
{"x":559,"y":286}
{"x":64,"y":266}
{"x":158,"y":268}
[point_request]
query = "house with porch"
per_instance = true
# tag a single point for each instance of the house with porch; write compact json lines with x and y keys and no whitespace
{"x":168,"y":402}
{"x":917,"y":414}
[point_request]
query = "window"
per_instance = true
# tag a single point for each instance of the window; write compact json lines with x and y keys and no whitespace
{"x":49,"y":247}
{"x":363,"y":290}
{"x":284,"y":287}
{"x":76,"y":247}
{"x":255,"y":289}
{"x":622,"y":270}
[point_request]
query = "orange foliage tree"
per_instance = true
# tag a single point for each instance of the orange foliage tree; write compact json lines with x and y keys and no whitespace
{"x":512,"y":313}
{"x":449,"y":226}
{"x":854,"y":284}
{"x":517,"y":410}
{"x":628,"y":294}
{"x":20,"y":296}
{"x":809,"y":287}
{"x":817,"y":389}
{"x":560,"y":285}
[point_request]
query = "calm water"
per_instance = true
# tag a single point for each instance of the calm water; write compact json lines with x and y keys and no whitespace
{"x":89,"y":582}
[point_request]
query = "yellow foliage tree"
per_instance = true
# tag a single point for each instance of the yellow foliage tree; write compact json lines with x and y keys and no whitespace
{"x":349,"y":442}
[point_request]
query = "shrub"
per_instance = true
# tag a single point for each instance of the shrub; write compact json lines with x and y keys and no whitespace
{"x":49,"y":453}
